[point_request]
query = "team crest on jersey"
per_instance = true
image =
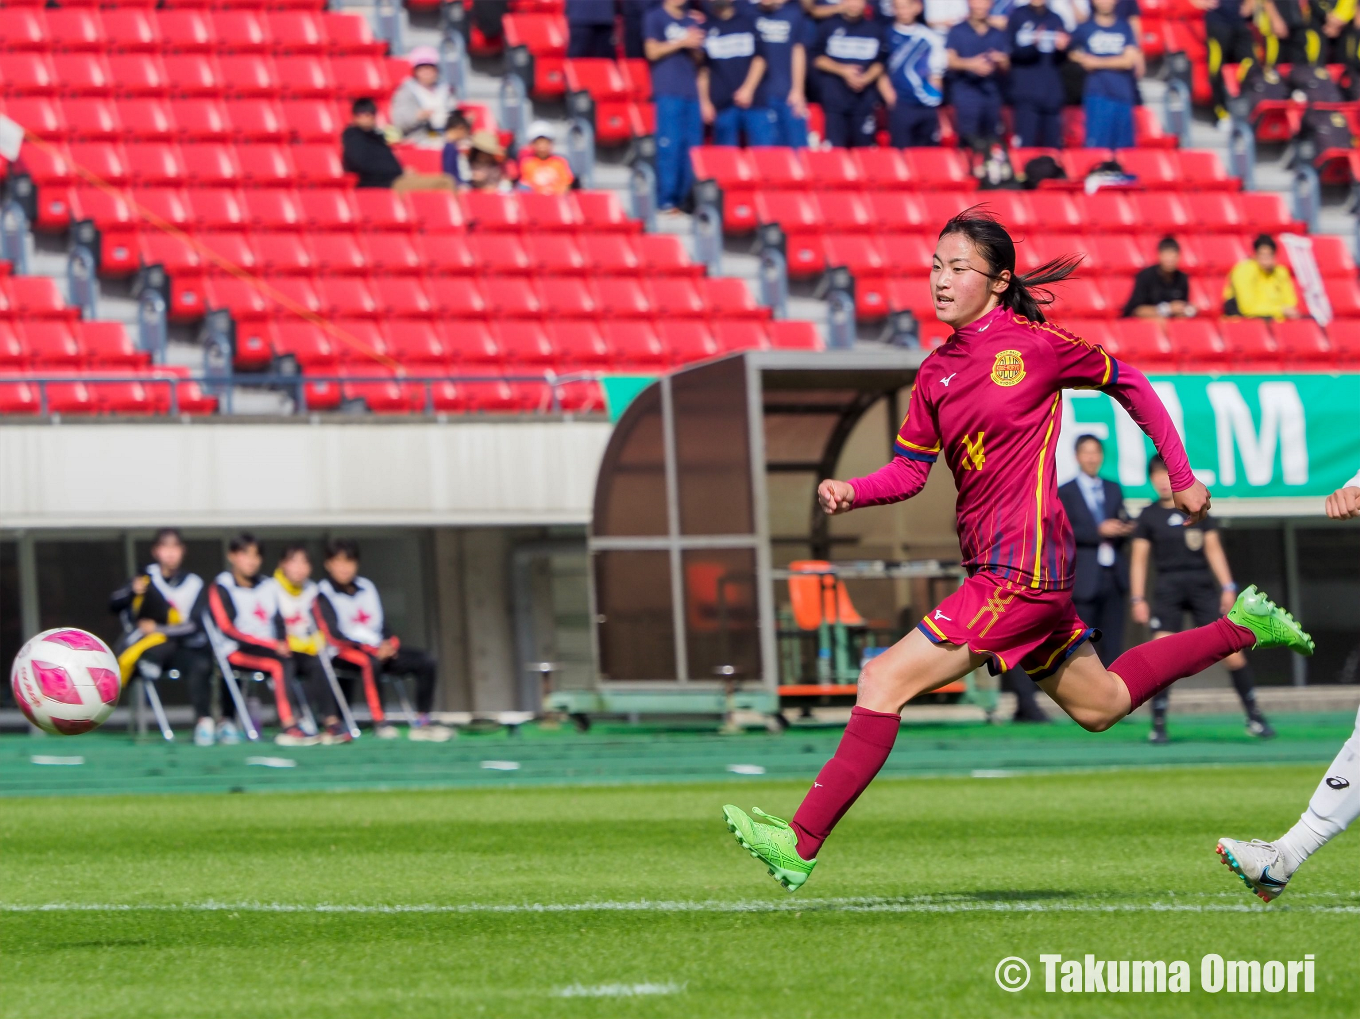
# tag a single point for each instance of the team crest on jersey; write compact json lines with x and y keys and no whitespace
{"x":1194,"y":539}
{"x":1009,"y":368}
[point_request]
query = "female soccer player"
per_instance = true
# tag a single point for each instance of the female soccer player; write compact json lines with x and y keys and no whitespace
{"x":990,"y":400}
{"x":1266,"y":867}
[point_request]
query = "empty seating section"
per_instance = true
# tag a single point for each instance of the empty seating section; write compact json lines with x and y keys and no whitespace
{"x":877,"y":212}
{"x":204,"y":138}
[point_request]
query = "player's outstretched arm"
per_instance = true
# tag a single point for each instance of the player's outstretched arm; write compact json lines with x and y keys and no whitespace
{"x":900,"y":478}
{"x":1136,"y":395}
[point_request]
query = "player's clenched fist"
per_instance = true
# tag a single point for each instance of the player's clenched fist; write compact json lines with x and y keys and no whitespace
{"x":835,"y":496}
{"x":1343,"y":504}
{"x":1193,"y":502}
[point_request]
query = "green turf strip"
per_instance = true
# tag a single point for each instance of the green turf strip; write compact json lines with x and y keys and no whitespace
{"x":619,"y":754}
{"x":433,"y":900}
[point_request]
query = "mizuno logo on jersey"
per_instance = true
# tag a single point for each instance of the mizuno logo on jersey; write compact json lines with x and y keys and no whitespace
{"x":947,"y":379}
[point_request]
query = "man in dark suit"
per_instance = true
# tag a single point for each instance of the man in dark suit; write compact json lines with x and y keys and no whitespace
{"x":1101,"y":528}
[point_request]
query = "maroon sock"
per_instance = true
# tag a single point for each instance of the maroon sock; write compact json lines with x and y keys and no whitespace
{"x":1150,"y":668}
{"x":867,"y":742}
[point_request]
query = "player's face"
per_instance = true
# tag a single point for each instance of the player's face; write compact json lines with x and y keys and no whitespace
{"x":959,"y":283}
{"x":296,"y":569}
{"x":342,"y":569}
{"x":1090,"y":458}
{"x":245,"y":562}
{"x":1161,"y":483}
{"x":169,"y":555}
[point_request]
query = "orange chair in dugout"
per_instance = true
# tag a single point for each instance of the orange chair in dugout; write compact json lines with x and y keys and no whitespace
{"x":821,"y":603}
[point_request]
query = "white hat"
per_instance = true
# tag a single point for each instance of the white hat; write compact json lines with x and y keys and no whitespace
{"x":541,"y":129}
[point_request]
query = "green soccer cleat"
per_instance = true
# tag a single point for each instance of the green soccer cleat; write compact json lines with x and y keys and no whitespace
{"x":1273,"y":626}
{"x":773,"y":842}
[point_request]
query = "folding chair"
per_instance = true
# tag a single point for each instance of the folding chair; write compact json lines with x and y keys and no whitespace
{"x":218,"y":644}
{"x":145,"y":676}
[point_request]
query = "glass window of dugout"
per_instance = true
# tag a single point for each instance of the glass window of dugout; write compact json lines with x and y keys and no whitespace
{"x":630,"y":498}
{"x":636,"y":626}
{"x":712,"y":449}
{"x":75,"y":579}
{"x":721,"y":619}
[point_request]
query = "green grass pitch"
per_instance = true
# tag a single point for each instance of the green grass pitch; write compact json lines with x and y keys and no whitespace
{"x":449,"y":903}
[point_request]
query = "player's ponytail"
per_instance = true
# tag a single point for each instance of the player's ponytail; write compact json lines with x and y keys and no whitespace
{"x":1026,"y":294}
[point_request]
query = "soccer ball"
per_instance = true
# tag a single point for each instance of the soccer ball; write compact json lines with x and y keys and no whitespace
{"x":66,"y":681}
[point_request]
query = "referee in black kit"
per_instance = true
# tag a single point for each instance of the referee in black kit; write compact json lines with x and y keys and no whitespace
{"x":1192,"y":576}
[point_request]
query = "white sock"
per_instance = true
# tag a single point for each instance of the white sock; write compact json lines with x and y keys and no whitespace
{"x":1335,"y":804}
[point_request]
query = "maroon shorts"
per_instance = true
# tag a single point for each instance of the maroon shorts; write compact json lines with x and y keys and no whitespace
{"x":1010,"y":625}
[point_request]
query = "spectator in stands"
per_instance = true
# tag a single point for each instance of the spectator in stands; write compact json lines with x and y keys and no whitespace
{"x":1227,"y":25}
{"x":486,"y":163}
{"x":1038,"y":47}
{"x":978,"y":55}
{"x":1328,"y":22}
{"x":1161,"y":290}
{"x":674,"y":43}
{"x":1107,"y":50}
{"x":1260,"y":287}
{"x":366,"y":152}
{"x":350,"y":614}
{"x":591,"y":27}
{"x":1283,"y":31}
{"x":422,"y":103}
{"x":849,"y":53}
{"x":541,"y":170}
{"x":162,"y":608}
{"x":457,"y":145}
{"x":781,"y":25}
{"x":913,"y":86}
{"x":732,"y":78}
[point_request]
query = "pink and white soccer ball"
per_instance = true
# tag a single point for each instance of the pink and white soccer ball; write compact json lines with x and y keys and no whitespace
{"x":66,"y":681}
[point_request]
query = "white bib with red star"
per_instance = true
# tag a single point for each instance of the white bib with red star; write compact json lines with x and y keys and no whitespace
{"x":256,"y":607}
{"x":359,"y":616}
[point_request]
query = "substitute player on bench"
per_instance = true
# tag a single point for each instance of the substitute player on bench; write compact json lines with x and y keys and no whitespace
{"x":990,"y":400}
{"x":1192,"y":576}
{"x":1266,"y":867}
{"x":350,"y":614}
{"x":165,"y":603}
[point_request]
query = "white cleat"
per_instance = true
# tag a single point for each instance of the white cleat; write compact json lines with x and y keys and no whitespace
{"x":1259,"y":865}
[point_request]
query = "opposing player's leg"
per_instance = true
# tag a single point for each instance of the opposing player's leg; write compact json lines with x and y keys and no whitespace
{"x":1266,"y":867}
{"x":1097,"y":698}
{"x":912,"y":666}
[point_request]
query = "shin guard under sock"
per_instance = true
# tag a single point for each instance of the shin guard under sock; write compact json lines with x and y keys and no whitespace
{"x":1150,"y":668}
{"x":868,"y":740}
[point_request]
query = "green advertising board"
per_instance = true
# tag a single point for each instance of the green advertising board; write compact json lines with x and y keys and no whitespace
{"x":1249,"y":437}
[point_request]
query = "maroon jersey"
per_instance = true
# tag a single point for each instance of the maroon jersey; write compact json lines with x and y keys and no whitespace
{"x":990,"y":400}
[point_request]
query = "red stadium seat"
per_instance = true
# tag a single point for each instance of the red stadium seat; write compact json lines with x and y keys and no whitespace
{"x":305,"y":77}
{"x":549,"y":212}
{"x":777,"y":167}
{"x":677,"y":298}
{"x":25,"y":30}
{"x":386,"y":396}
{"x":291,"y":296}
{"x":20,"y":398}
{"x":272,"y":208}
{"x":472,"y":343}
{"x":1304,"y":346}
{"x":795,"y":335}
{"x":1332,"y":254}
{"x":343,"y":297}
{"x":298,"y":32}
{"x":71,"y":398}
{"x":139,"y":74}
{"x":40,"y":115}
{"x":637,"y":345}
{"x":729,"y":297}
{"x":394,"y":253}
{"x":666,"y":255}
{"x":564,"y":297}
{"x":729,"y":166}
{"x":863,"y":256}
{"x":139,"y":120}
{"x":733,"y":335}
{"x":318,"y":165}
{"x":1202,"y":170}
{"x":83,"y":74}
{"x":608,"y":254}
{"x":350,"y":34}
{"x":107,"y":161}
{"x":436,"y":212}
{"x":52,"y":344}
{"x":1118,"y":253}
{"x":340,"y":252}
{"x":383,"y":209}
{"x":492,"y":211}
{"x":131,"y":30}
{"x":203,"y":120}
{"x":941,"y":206}
{"x":420,"y":346}
{"x":243,"y":298}
{"x":195,"y":74}
{"x":832,"y":168}
{"x":526,"y":345}
{"x":311,"y":120}
{"x":156,"y":164}
{"x":688,"y":341}
{"x":1144,"y":344}
{"x":501,"y":253}
{"x":360,"y":341}
{"x":328,"y":209}
{"x":96,"y":119}
{"x":219,"y":208}
{"x":1344,"y":295}
{"x":846,"y":212}
{"x":622,"y":297}
{"x":403,"y":296}
{"x":1198,"y":344}
{"x":449,"y":255}
{"x":580,"y":346}
{"x":240,"y":31}
{"x":135,"y":397}
{"x":37,"y":297}
{"x":602,"y":78}
{"x":285,"y":253}
{"x":1250,"y":344}
{"x":1265,"y":212}
{"x":1109,"y":211}
{"x":898,"y":211}
{"x":309,"y":343}
{"x":109,"y":209}
{"x":249,"y":74}
{"x":13,"y":354}
{"x":1013,"y":208}
{"x":1056,"y":210}
{"x":556,"y":254}
{"x":883,"y":168}
{"x":512,"y":297}
{"x":359,"y":76}
{"x":939,"y":168}
{"x":28,"y":73}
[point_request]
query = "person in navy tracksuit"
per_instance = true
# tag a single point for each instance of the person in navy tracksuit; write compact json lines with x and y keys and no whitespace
{"x":913,"y":83}
{"x":781,"y":27}
{"x":1038,"y":47}
{"x":1107,"y":49}
{"x":849,"y":56}
{"x":732,"y":80}
{"x":590,"y":24}
{"x":674,"y":42}
{"x":979,"y":57}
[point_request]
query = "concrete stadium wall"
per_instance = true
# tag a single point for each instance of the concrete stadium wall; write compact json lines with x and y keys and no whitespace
{"x":332,"y":473}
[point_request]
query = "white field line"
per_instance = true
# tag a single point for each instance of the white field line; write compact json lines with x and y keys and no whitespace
{"x":859,"y":904}
{"x":617,"y":990}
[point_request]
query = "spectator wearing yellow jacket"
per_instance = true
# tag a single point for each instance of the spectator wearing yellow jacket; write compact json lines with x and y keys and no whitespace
{"x":1259,"y":287}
